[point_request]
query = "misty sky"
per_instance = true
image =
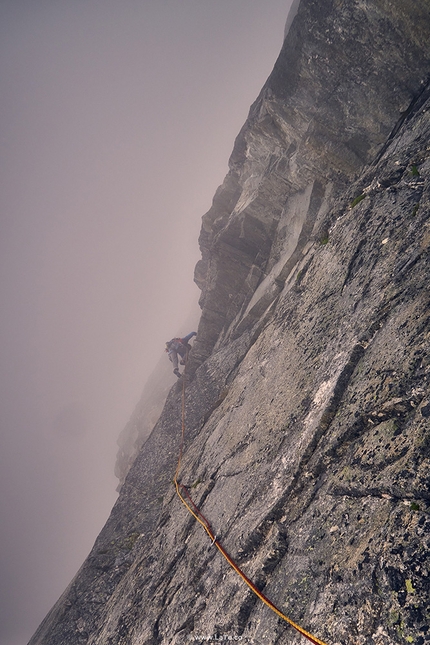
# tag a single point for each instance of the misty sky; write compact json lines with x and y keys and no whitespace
{"x":117,"y":120}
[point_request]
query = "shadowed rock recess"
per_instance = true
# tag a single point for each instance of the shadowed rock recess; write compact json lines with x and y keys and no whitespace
{"x":307,"y":398}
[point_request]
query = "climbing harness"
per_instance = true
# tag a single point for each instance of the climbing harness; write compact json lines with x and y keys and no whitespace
{"x":183,"y":493}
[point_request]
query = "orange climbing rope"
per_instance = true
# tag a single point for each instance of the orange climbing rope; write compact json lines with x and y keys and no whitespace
{"x":198,"y":515}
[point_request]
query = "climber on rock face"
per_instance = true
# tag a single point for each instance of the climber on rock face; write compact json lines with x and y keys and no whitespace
{"x":179,"y":347}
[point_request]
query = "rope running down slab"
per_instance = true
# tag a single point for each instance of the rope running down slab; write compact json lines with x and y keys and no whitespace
{"x":198,"y":515}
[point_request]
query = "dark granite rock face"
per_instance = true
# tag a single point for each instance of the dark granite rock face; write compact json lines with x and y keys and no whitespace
{"x":307,"y":398}
{"x":347,"y":73}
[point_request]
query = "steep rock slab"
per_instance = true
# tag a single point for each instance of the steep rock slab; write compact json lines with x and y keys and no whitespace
{"x":314,"y":467}
{"x":307,"y":428}
{"x":312,"y":459}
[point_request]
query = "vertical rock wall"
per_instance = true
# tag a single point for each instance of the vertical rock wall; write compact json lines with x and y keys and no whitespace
{"x":347,"y":73}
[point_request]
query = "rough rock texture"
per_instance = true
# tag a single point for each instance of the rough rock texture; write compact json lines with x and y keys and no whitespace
{"x":347,"y":72}
{"x":307,"y":398}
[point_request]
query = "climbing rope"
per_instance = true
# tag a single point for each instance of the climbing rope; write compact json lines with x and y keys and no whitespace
{"x":198,"y":515}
